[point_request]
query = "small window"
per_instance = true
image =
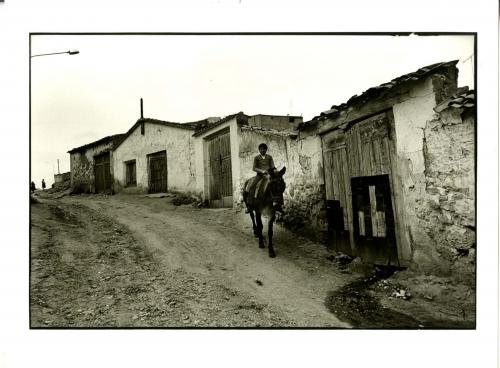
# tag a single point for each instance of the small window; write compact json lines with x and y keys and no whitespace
{"x":291,"y":120}
{"x":130,"y":178}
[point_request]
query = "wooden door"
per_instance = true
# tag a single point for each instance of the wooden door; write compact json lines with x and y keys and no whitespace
{"x":102,"y":173}
{"x":158,"y":173}
{"x":220,"y":180}
{"x":358,"y":155}
{"x":338,"y":193}
{"x":374,"y":232}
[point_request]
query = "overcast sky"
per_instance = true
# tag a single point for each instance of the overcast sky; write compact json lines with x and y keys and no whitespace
{"x":81,"y":98}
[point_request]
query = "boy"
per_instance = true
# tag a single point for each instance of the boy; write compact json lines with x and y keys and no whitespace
{"x":261,"y":165}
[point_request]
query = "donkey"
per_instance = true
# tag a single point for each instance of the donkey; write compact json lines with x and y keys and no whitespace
{"x":263,"y":204}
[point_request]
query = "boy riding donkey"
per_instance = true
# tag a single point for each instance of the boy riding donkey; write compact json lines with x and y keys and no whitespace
{"x":262,"y":164}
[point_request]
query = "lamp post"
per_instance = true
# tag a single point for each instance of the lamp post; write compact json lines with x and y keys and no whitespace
{"x":70,"y":52}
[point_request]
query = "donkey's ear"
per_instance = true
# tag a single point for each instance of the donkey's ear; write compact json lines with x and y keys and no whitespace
{"x":282,"y":171}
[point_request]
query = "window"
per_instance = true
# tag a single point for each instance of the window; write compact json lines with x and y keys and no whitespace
{"x":130,"y":179}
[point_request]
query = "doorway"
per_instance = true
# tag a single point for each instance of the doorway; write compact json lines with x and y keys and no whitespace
{"x":373,"y":220}
{"x":158,"y":174}
{"x":102,"y":173}
{"x":220,"y":180}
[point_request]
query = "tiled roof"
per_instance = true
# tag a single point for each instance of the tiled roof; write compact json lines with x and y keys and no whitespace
{"x":116,"y":138}
{"x":196,"y":125}
{"x":219,"y":122}
{"x":189,"y":126}
{"x":378,"y":91}
{"x":463,"y":99}
{"x":202,"y":124}
{"x":281,"y":133}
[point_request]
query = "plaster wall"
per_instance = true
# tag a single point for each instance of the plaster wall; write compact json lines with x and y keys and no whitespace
{"x":410,"y":119}
{"x":179,"y":145}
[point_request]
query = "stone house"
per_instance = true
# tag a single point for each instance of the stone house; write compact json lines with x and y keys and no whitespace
{"x":90,"y":166}
{"x":399,"y":171}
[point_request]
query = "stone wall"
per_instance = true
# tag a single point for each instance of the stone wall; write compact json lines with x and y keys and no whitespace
{"x":446,"y":211}
{"x":177,"y":142}
{"x":82,"y":168}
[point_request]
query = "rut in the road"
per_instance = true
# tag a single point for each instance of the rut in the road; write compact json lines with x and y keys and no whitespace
{"x":90,"y":271}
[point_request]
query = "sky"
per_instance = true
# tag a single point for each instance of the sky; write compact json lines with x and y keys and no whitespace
{"x":77,"y":99}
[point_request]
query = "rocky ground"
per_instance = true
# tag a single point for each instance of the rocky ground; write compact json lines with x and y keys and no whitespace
{"x":136,"y":261}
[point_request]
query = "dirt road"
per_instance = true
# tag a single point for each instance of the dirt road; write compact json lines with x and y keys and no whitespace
{"x":133,"y":261}
{"x":109,"y":261}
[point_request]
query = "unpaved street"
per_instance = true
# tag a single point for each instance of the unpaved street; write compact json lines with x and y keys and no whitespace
{"x":135,"y":261}
{"x":107,"y":261}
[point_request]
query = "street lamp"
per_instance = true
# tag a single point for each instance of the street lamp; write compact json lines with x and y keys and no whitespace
{"x":71,"y":52}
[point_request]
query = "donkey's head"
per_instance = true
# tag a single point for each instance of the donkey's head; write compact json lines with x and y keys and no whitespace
{"x":276,"y":183}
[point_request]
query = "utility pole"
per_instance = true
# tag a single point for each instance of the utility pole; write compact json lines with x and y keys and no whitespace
{"x":58,"y":172}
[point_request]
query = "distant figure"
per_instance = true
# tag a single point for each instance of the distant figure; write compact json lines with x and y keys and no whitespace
{"x":32,"y":186}
{"x":43,"y":184}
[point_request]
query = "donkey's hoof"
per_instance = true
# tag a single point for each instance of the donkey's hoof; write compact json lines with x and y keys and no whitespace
{"x":261,"y":245}
{"x":272,"y":254}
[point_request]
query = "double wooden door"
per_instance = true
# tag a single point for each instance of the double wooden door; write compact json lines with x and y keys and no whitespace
{"x":220,"y":181}
{"x":359,"y":189}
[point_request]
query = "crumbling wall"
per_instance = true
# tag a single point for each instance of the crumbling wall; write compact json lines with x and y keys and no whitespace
{"x":59,"y":178}
{"x":62,"y":181}
{"x":446,"y":211}
{"x":304,"y":194}
{"x":82,"y":168}
{"x":419,"y":224}
{"x":282,"y":123}
{"x":410,"y":118}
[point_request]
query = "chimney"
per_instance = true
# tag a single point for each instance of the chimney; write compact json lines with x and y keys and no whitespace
{"x":142,"y":117}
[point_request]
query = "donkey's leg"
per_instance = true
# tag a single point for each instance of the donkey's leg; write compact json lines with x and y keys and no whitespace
{"x":259,"y":229}
{"x":270,"y":234}
{"x":254,"y":225}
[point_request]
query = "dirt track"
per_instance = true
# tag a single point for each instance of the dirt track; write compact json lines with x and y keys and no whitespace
{"x":135,"y":261}
{"x":131,"y":261}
